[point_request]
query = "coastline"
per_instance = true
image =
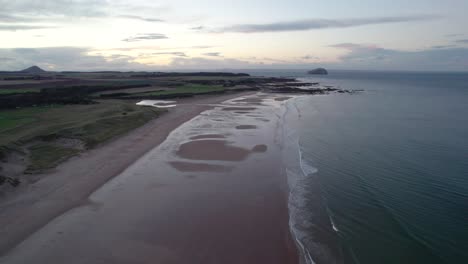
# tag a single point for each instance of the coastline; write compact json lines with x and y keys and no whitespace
{"x":69,"y":187}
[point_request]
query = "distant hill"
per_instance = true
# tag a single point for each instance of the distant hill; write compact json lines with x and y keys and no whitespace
{"x":33,"y":70}
{"x":320,"y":71}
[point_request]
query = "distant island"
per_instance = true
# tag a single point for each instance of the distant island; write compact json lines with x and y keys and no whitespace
{"x":320,"y":71}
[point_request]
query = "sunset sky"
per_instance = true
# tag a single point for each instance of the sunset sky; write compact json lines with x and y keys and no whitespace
{"x":181,"y":34}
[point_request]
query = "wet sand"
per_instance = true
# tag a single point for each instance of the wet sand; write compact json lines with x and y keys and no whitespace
{"x":208,"y":136}
{"x":210,"y":193}
{"x":280,"y":99}
{"x":244,"y":109}
{"x":246,"y":127}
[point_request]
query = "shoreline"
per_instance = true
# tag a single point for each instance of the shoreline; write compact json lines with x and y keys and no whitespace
{"x":72,"y":182}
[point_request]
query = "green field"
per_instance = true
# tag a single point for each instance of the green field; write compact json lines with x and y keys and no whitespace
{"x":36,"y":130}
{"x":186,"y":89}
{"x":46,"y":156}
{"x":18,"y":91}
{"x":10,"y":119}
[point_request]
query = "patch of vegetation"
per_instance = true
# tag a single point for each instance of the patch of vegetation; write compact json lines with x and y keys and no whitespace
{"x":16,"y":118}
{"x":46,"y":156}
{"x":192,"y":89}
{"x":65,"y":95}
{"x":18,"y":91}
{"x":89,"y":89}
{"x":106,"y":128}
{"x":90,"y":124}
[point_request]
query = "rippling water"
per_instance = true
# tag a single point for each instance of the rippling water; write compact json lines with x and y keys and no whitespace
{"x":392,"y":164}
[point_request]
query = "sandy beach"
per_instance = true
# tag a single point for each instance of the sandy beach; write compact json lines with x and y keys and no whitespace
{"x":211,"y":190}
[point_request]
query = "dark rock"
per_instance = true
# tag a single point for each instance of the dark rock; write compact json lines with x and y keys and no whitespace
{"x":12,"y":181}
{"x":287,"y":89}
{"x":320,"y":71}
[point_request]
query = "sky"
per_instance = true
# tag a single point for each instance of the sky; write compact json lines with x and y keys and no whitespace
{"x":89,"y":35}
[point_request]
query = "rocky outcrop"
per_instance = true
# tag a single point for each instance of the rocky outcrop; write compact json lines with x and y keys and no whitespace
{"x":320,"y":71}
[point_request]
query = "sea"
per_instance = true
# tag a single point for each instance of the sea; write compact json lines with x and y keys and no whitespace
{"x":387,"y":167}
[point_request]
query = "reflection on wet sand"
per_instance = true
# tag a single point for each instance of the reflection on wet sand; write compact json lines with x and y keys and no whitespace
{"x":260,"y":148}
{"x":212,"y":150}
{"x":249,"y":100}
{"x":207,"y":136}
{"x":280,"y":99}
{"x":198,"y":167}
{"x":238,"y":108}
{"x":246,"y":127}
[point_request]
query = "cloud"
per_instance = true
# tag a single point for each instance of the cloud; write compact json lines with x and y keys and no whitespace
{"x":8,"y":18}
{"x":16,"y":27}
{"x":81,"y":8}
{"x":175,"y":53}
{"x":442,"y":46}
{"x":374,"y":57}
{"x":142,"y":37}
{"x":309,"y":57}
{"x":202,"y":47}
{"x":157,"y":48}
{"x":146,"y":19}
{"x":204,"y":63}
{"x":20,"y":11}
{"x":66,"y":58}
{"x":463,"y":41}
{"x":6,"y":59}
{"x":198,"y":28}
{"x":453,"y":35}
{"x":212,"y":54}
{"x":272,"y":60}
{"x":310,"y":24}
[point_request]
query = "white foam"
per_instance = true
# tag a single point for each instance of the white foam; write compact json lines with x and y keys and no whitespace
{"x":306,"y":168}
{"x":333,"y":225}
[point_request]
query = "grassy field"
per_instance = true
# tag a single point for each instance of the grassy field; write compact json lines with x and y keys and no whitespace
{"x":18,"y":91}
{"x":130,"y":91}
{"x":189,"y":88}
{"x":36,"y":130}
{"x":46,"y":156}
{"x":192,"y":88}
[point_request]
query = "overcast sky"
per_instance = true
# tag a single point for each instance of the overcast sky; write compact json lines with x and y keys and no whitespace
{"x":204,"y":34}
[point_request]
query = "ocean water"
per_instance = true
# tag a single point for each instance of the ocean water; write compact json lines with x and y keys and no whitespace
{"x":389,"y":167}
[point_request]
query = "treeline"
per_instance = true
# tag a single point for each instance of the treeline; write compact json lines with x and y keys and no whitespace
{"x":58,"y":95}
{"x":246,"y":81}
{"x":26,"y":78}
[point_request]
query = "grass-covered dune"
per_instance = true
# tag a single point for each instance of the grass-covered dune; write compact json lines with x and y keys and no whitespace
{"x":46,"y":135}
{"x":186,"y":90}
